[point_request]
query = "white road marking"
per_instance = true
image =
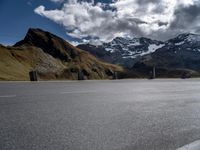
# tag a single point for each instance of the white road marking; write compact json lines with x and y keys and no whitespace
{"x":77,"y":92}
{"x":192,"y":146}
{"x":7,"y":96}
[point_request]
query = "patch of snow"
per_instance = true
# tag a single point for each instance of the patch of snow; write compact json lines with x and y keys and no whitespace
{"x":129,"y":57}
{"x":152,"y":48}
{"x":130,"y":54}
{"x":192,"y":38}
{"x":125,"y":49}
{"x":113,"y":44}
{"x":109,"y":50}
{"x":134,"y":44}
{"x":180,"y":43}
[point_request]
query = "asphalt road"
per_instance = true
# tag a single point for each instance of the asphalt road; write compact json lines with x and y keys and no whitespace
{"x":99,"y":115}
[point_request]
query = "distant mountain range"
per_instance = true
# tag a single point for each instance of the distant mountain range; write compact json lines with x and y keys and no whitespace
{"x":52,"y":57}
{"x":180,"y":55}
{"x":123,"y":51}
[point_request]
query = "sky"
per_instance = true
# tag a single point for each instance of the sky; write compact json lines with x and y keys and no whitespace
{"x":97,"y":21}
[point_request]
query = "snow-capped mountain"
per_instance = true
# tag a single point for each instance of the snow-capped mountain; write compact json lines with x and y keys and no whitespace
{"x":189,"y":42}
{"x":123,"y":51}
{"x":132,"y":48}
{"x":181,"y":52}
{"x":187,"y":38}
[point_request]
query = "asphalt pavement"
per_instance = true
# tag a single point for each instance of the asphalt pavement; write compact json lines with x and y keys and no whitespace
{"x":161,"y":114}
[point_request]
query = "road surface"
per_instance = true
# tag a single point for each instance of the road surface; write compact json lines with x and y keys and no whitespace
{"x":100,"y":115}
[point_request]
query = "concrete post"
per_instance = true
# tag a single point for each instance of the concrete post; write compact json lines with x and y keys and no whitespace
{"x":115,"y":76}
{"x":80,"y":75}
{"x":33,"y":76}
{"x":154,"y":72}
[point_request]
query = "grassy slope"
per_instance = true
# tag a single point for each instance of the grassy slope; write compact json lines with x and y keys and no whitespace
{"x":11,"y":68}
{"x":15,"y":63}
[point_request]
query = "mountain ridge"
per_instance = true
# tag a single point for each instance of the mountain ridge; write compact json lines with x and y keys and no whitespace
{"x":52,"y":57}
{"x":124,"y":51}
{"x":176,"y":54}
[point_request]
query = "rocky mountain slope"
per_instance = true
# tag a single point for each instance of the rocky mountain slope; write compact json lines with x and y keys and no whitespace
{"x":52,"y":57}
{"x":180,"y":53}
{"x":172,"y":58}
{"x":123,"y":51}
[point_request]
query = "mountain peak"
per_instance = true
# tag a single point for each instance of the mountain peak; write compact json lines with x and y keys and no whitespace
{"x":120,"y":40}
{"x":30,"y":30}
{"x":186,"y":38}
{"x":53,"y":58}
{"x":35,"y":33}
{"x":185,"y":35}
{"x":49,"y":43}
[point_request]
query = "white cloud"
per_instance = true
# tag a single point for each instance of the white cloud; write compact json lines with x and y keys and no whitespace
{"x":83,"y":19}
{"x":57,"y":1}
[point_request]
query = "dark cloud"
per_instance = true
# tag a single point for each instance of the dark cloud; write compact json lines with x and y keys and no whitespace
{"x":197,"y":29}
{"x":136,"y":20}
{"x":143,"y":2}
{"x":185,"y":17}
{"x":160,"y":23}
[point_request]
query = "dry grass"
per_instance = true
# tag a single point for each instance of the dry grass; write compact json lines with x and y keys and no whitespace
{"x":12,"y":65}
{"x":15,"y":64}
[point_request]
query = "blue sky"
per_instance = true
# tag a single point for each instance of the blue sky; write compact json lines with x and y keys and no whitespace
{"x":97,"y":21}
{"x":18,"y":15}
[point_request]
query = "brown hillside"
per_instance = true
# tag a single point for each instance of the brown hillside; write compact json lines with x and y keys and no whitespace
{"x":52,"y":57}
